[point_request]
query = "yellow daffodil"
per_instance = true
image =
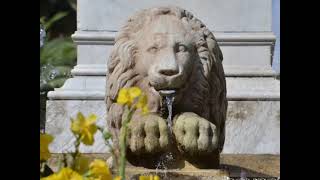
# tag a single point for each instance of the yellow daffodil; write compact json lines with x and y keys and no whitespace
{"x":134,"y":92}
{"x":85,"y":128}
{"x":82,"y":164}
{"x":99,"y":170}
{"x":142,"y":104}
{"x":51,"y":177}
{"x":117,"y":178}
{"x":124,"y":97}
{"x":150,"y":177}
{"x":64,"y":174}
{"x":127,"y":96}
{"x":45,"y":140}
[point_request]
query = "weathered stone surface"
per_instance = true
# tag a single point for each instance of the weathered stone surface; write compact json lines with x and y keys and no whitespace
{"x":253,"y":127}
{"x":251,"y":165}
{"x":165,"y":49}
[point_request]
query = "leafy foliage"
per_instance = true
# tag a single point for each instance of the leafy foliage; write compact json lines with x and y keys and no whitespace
{"x":58,"y":52}
{"x":57,"y":58}
{"x":47,"y":24}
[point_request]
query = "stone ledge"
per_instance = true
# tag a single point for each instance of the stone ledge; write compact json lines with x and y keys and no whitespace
{"x":262,"y":165}
{"x":252,"y":165}
{"x":230,"y":71}
{"x":245,"y":38}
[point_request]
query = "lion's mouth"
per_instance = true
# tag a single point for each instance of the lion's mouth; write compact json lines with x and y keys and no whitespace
{"x":167,"y":92}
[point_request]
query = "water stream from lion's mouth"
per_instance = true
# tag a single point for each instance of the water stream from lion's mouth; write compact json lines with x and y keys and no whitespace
{"x":169,"y":102}
{"x":167,"y":157}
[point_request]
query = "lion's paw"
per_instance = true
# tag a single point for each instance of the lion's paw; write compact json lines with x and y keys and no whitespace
{"x":194,"y":134}
{"x":148,"y":134}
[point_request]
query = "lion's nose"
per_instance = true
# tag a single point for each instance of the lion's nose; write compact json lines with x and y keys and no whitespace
{"x":168,"y":72}
{"x":168,"y":67}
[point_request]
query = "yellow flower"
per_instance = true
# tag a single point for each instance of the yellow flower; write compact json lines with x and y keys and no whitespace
{"x":64,"y":174}
{"x":123,"y":97}
{"x":142,"y":104}
{"x":134,"y":92}
{"x":100,"y":170}
{"x":85,"y":128}
{"x":82,"y":164}
{"x":51,"y":177}
{"x":128,"y":95}
{"x":45,"y":140}
{"x":150,"y":177}
{"x":117,"y":178}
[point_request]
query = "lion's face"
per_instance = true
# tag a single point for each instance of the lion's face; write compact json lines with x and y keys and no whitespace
{"x":166,"y":54}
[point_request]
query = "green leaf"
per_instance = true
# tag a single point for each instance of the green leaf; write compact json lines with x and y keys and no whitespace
{"x":54,"y":19}
{"x":42,"y":20}
{"x":107,"y":135}
{"x":73,"y":4}
{"x":58,"y":52}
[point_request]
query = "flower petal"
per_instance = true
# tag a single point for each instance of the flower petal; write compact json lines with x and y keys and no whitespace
{"x":134,"y":92}
{"x":123,"y":96}
{"x":92,"y":118}
{"x":80,"y":116}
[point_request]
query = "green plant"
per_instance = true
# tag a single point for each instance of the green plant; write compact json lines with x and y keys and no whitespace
{"x":57,"y":58}
{"x":47,"y":23}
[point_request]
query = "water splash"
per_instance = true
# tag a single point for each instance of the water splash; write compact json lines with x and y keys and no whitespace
{"x":167,"y":158}
{"x":163,"y":162}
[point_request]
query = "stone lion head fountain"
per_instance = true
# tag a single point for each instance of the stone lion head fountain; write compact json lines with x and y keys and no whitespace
{"x":166,"y":51}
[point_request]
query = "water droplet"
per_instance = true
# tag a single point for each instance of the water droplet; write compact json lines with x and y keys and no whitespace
{"x":53,"y":74}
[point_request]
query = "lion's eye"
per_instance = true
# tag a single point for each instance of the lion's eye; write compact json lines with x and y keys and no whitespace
{"x":182,"y":48}
{"x":153,"y":49}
